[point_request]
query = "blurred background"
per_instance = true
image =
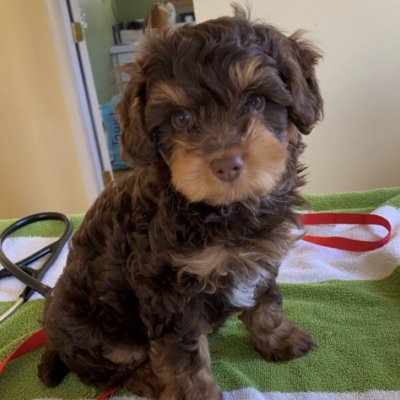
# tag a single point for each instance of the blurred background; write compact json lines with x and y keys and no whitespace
{"x":58,"y":134}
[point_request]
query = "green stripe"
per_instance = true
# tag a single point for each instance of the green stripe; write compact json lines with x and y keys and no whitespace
{"x":355,"y":201}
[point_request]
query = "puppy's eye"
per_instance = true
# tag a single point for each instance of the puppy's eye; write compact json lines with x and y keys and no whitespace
{"x":256,"y":102}
{"x":181,"y":119}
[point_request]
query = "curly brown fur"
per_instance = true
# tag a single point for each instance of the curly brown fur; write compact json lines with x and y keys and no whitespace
{"x":210,"y":120}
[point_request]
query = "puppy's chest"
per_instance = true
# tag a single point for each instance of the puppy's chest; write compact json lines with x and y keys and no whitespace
{"x":237,"y":274}
{"x":244,"y":292}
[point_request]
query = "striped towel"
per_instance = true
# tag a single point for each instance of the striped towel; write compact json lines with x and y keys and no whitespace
{"x":349,"y":302}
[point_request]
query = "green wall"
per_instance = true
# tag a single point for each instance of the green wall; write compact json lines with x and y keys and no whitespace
{"x":127,"y":10}
{"x":99,"y":38}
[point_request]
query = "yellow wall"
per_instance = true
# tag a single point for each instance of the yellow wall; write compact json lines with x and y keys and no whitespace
{"x":357,"y":146}
{"x":38,"y":162}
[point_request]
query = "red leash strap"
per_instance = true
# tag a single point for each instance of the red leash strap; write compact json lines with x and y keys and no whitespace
{"x":36,"y":340}
{"x":107,"y":394}
{"x":342,"y":243}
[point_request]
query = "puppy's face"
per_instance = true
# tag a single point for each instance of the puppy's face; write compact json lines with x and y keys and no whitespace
{"x":220,"y":154}
{"x":219,"y":103}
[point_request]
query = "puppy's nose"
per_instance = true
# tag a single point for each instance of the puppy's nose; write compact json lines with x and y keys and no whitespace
{"x":227,"y":168}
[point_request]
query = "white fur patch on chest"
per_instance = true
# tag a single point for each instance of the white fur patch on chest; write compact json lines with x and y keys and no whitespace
{"x":216,"y":261}
{"x":244,"y":293}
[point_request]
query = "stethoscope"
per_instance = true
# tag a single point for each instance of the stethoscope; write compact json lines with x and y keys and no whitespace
{"x":21,"y":270}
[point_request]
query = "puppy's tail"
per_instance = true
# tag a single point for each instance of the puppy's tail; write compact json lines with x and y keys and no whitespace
{"x":51,"y":369}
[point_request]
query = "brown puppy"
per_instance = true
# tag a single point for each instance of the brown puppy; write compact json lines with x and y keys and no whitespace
{"x":211,"y":120}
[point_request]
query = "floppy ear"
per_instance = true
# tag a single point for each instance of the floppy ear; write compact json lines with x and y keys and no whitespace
{"x":299,"y":74}
{"x":137,"y":144}
{"x":296,"y":60}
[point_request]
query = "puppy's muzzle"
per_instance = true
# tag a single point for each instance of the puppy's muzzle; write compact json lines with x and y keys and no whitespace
{"x":227,"y":168}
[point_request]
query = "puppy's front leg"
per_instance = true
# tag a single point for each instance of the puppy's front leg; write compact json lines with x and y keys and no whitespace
{"x":184,"y":368}
{"x":276,"y":338}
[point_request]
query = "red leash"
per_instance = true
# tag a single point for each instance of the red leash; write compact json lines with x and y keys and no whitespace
{"x":39,"y":338}
{"x":342,"y":243}
{"x":31,"y":343}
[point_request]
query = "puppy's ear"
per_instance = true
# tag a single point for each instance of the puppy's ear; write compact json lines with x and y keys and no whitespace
{"x":158,"y":18}
{"x":137,"y":144}
{"x":295,"y":59}
{"x":307,"y":107}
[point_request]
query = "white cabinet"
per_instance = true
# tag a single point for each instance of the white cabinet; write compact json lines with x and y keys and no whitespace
{"x":122,"y":54}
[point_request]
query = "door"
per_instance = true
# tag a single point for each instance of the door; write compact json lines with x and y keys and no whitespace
{"x":97,"y":137}
{"x":68,"y":27}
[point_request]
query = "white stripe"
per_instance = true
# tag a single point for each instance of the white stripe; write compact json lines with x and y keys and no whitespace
{"x":252,"y":394}
{"x":311,"y":263}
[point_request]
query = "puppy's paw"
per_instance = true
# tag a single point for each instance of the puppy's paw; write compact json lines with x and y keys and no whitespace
{"x":144,"y":382}
{"x":286,"y":342}
{"x":51,"y":369}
